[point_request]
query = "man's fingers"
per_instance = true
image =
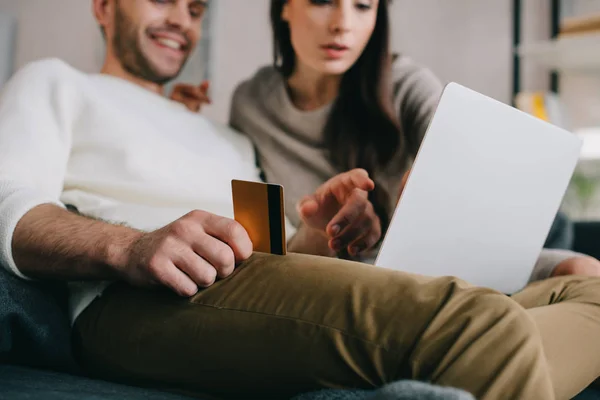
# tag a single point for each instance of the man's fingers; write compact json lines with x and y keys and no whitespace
{"x":232,"y":233}
{"x":195,"y":267}
{"x":166,"y":273}
{"x":216,"y":253}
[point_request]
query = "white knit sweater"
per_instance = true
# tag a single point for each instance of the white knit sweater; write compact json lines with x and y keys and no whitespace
{"x":112,"y":149}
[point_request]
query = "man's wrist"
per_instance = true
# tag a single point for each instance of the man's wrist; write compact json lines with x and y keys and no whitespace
{"x":118,"y":249}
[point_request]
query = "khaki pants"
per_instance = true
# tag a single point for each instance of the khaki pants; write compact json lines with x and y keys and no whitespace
{"x":284,"y":325}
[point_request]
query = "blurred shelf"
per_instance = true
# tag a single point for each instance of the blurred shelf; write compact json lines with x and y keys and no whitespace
{"x":576,"y":53}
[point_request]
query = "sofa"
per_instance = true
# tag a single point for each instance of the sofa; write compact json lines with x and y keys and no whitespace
{"x":36,"y":361}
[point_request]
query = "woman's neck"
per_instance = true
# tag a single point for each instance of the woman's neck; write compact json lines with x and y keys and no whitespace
{"x":310,"y":90}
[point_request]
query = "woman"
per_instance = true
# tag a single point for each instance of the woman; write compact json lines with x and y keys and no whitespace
{"x":335,"y":100}
{"x":328,"y":104}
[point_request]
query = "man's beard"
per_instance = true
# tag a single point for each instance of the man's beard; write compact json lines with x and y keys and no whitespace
{"x":128,"y":51}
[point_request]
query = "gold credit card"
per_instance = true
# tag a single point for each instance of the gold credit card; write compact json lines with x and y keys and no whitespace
{"x":258,"y":207}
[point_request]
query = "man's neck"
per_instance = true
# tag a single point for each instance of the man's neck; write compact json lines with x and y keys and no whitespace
{"x":113,"y":67}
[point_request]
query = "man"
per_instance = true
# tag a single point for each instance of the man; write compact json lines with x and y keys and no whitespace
{"x":169,"y":294}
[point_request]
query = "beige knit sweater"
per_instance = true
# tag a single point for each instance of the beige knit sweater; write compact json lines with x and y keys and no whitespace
{"x":290,"y":142}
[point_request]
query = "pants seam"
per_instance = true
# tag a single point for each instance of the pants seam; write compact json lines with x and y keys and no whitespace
{"x":316,"y":324}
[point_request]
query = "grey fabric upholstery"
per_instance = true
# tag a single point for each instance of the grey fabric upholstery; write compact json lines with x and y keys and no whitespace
{"x":34,"y":327}
{"x":19,"y":383}
{"x":402,"y":390}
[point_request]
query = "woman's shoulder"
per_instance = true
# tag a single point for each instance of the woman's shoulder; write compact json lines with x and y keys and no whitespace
{"x":261,"y":84}
{"x":413,"y":80}
{"x":255,"y":96}
{"x":406,"y":71}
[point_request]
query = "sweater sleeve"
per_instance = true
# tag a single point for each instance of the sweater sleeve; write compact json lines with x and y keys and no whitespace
{"x":34,"y":146}
{"x":416,"y":95}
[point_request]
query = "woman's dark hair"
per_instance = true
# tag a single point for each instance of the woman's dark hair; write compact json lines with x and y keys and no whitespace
{"x":362,"y":131}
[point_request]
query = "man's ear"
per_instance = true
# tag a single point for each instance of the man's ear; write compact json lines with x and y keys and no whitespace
{"x":103,"y":11}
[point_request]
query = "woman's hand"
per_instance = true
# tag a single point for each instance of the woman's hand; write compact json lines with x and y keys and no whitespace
{"x":193,"y":97}
{"x":340,"y":209}
{"x":403,"y":184}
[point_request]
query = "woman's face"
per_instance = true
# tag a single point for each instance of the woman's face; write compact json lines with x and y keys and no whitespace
{"x":328,"y":36}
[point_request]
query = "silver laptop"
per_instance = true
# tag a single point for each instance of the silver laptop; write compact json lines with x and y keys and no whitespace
{"x":482,"y":195}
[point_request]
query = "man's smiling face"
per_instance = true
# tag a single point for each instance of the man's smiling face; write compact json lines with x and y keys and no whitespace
{"x":152,"y":39}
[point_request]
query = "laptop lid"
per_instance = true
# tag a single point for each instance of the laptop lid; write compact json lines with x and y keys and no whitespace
{"x":484,"y":189}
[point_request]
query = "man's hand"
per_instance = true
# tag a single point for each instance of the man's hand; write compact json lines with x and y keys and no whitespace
{"x":193,"y":97}
{"x":189,"y":253}
{"x":340,"y":209}
{"x":50,"y":242}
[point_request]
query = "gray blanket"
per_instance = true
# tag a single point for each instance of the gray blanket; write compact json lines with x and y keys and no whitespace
{"x":402,"y":390}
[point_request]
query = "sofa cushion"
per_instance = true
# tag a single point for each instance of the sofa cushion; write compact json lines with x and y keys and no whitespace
{"x":20,"y":383}
{"x":34,"y":326}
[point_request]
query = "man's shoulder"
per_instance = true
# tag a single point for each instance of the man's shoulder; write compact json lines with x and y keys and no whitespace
{"x":44,"y":84}
{"x":50,"y":70}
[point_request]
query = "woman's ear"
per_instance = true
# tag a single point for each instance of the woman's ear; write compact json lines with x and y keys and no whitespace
{"x":285,"y":11}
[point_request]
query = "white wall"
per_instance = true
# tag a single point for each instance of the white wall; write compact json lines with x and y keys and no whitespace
{"x":242,"y":45}
{"x":7,"y":46}
{"x":467,"y":41}
{"x":56,"y":28}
